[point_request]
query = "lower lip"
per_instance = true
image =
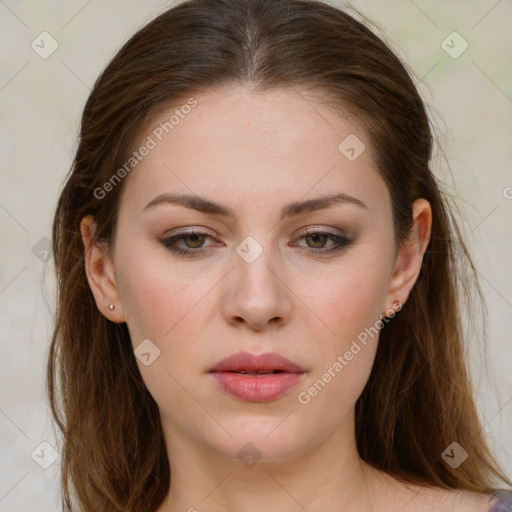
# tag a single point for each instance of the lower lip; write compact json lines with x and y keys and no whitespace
{"x":256,"y":389}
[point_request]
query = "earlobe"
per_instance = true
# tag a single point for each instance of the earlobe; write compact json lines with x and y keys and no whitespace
{"x":99,"y":269}
{"x":410,"y":255}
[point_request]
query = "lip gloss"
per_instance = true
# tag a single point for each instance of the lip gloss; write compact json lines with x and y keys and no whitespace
{"x":256,"y":387}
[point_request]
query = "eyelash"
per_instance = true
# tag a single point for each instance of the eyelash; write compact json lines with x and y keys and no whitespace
{"x":341,"y":241}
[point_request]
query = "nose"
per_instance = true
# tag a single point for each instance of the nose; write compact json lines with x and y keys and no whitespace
{"x":256,"y":293}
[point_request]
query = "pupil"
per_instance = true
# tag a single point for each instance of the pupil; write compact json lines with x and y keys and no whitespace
{"x":195,"y":239}
{"x":315,"y":238}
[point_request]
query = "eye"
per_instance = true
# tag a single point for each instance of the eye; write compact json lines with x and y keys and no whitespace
{"x":193,"y":241}
{"x":318,"y":238}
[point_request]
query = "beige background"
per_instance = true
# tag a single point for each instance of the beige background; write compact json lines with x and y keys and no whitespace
{"x":41,"y":102}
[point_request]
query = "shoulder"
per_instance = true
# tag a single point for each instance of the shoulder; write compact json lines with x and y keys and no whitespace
{"x":408,"y":497}
{"x":444,"y":500}
{"x":429,"y":499}
{"x":397,"y":494}
{"x":501,"y":501}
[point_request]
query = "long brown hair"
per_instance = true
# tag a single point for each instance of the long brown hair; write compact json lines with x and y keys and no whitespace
{"x":418,"y":399}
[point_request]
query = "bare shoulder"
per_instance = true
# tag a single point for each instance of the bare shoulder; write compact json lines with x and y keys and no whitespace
{"x":462,"y":501}
{"x":396,"y":495}
{"x":428,"y":499}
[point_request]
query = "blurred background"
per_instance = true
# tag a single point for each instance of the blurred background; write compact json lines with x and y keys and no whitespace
{"x":460,"y":53}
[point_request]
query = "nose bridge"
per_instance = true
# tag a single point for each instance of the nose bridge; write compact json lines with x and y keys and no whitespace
{"x":255,"y":262}
{"x":256,"y":292}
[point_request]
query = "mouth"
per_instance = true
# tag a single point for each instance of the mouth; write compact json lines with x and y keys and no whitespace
{"x":256,"y":378}
{"x":257,"y":364}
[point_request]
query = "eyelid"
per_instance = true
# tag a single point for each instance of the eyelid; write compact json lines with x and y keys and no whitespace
{"x":200,"y":230}
{"x":327,"y":230}
{"x":196,"y":230}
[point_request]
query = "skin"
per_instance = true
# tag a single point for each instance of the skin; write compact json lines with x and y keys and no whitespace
{"x":256,"y":153}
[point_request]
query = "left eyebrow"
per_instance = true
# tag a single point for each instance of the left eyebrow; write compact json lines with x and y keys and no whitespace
{"x":204,"y":205}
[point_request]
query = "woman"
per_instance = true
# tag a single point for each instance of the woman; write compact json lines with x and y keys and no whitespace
{"x":258,"y":278}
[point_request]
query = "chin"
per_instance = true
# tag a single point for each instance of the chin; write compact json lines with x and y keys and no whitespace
{"x":261,"y":440}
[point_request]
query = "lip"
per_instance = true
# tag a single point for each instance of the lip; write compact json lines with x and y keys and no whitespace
{"x":267,"y":361}
{"x":251,"y":388}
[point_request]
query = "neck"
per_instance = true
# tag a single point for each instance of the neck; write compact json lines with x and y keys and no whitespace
{"x":326,"y":476}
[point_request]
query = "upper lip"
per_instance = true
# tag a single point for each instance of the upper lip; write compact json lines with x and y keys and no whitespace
{"x":245,"y":361}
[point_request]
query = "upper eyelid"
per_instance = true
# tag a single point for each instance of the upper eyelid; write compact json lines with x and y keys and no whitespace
{"x":192,"y":231}
{"x":206,"y":231}
{"x":309,"y":230}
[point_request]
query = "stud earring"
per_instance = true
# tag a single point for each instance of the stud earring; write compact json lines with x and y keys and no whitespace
{"x":111,"y":307}
{"x":395,"y":308}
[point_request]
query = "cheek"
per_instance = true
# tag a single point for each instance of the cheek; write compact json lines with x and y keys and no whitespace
{"x":353,"y":296}
{"x":156,"y":298}
{"x":162,"y":305}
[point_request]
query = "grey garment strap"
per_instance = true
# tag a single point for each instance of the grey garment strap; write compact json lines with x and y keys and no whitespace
{"x":501,"y":501}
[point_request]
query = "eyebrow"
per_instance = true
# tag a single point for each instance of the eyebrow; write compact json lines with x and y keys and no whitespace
{"x":204,"y":205}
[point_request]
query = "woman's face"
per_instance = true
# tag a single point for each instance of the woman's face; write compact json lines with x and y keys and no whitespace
{"x":254,"y":280}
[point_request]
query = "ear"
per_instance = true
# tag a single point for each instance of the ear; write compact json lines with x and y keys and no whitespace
{"x":410,"y":255}
{"x":100,"y":272}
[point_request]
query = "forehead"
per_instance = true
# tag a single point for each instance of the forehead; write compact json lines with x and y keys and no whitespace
{"x":237,"y":143}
